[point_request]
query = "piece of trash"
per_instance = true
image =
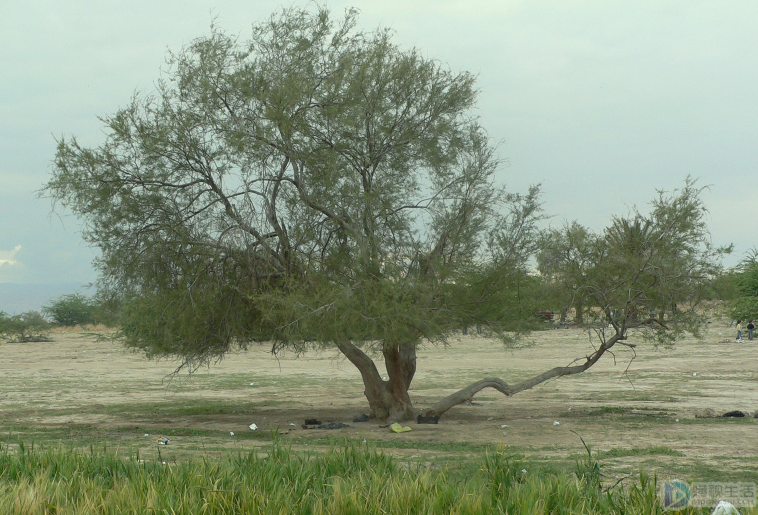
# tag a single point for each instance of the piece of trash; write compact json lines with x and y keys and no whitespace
{"x":523,"y":471}
{"x":231,"y":433}
{"x":423,"y":419}
{"x":364,"y":441}
{"x":677,"y":420}
{"x":503,"y":426}
{"x":556,"y":423}
{"x":362,"y":418}
{"x":147,"y":434}
{"x":725,"y":508}
{"x":735,"y":413}
{"x":397,"y":428}
{"x":163,"y":462}
{"x":252,"y":384}
{"x":253,"y":427}
{"x":162,"y":440}
{"x":694,"y":373}
{"x":292,"y":424}
{"x":312,"y":422}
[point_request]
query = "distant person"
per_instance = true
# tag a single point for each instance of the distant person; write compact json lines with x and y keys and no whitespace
{"x":750,"y":329}
{"x":739,"y":330}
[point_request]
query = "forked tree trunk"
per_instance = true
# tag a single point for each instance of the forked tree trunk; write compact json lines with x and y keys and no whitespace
{"x":388,"y":400}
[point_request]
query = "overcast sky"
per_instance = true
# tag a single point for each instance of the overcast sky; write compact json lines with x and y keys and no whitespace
{"x":601,"y":102}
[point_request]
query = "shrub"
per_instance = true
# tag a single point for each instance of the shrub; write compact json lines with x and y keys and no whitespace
{"x":26,"y":327}
{"x":72,"y":309}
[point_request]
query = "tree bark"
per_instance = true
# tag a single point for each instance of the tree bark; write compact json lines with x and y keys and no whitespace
{"x":388,"y":400}
{"x":400,"y":361}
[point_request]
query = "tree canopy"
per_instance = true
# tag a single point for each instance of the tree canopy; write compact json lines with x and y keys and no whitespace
{"x":317,"y":185}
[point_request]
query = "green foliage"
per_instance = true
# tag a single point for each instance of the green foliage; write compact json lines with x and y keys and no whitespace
{"x":199,"y":327}
{"x":70,"y":310}
{"x":745,"y":304}
{"x":341,"y":480}
{"x":564,"y":260}
{"x":26,"y":327}
{"x":310,"y":184}
{"x":646,"y":271}
{"x":724,"y":287}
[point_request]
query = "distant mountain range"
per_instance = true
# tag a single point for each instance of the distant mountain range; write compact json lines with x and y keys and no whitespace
{"x":20,"y":298}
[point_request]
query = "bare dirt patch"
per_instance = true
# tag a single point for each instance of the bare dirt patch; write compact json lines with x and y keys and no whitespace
{"x":80,"y":389}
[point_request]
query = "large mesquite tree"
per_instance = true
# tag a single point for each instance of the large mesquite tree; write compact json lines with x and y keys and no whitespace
{"x":313,"y":186}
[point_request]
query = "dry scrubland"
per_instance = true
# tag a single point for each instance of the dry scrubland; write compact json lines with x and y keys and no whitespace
{"x":85,"y":392}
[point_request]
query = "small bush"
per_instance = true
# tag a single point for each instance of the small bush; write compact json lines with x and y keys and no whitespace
{"x":70,"y":310}
{"x":26,"y":327}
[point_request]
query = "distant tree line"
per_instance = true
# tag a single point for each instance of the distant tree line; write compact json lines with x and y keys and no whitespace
{"x":69,"y":310}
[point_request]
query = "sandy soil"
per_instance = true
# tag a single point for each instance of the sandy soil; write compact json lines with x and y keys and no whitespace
{"x":76,"y":381}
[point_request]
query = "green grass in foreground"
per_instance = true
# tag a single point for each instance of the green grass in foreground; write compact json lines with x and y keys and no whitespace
{"x":345,"y":480}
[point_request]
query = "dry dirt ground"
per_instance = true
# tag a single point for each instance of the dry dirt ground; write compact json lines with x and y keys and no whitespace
{"x":661,"y":416}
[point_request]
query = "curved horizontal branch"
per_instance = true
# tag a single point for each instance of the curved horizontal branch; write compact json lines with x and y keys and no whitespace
{"x":498,"y":384}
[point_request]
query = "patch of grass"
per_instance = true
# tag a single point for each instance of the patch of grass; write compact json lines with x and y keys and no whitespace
{"x":656,"y":450}
{"x":450,"y":447}
{"x":608,"y":409}
{"x":346,"y":479}
{"x":631,"y":411}
{"x":717,"y":420}
{"x":82,"y":435}
{"x":171,"y":407}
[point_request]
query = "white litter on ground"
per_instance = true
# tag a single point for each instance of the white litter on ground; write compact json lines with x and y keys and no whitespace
{"x":725,"y":508}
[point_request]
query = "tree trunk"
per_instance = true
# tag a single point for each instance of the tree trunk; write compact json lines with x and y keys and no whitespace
{"x":400,"y":361}
{"x":579,"y":317}
{"x":388,"y":400}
